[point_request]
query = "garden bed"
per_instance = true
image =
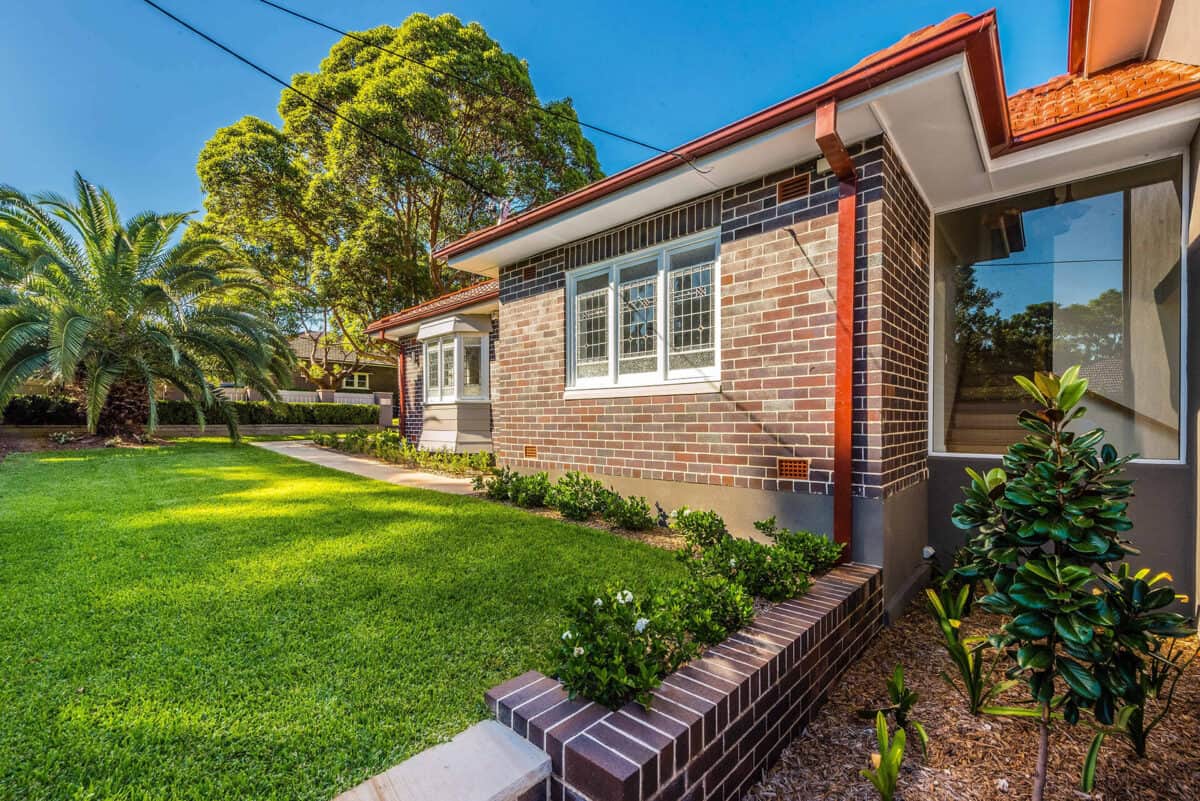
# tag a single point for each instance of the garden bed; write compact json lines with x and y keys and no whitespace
{"x":717,"y":722}
{"x":971,"y":759}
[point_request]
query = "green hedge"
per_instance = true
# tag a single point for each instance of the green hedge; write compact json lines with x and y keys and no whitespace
{"x":40,"y":410}
{"x":252,"y":413}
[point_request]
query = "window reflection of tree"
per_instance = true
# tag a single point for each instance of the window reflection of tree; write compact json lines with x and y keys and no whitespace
{"x":994,"y":348}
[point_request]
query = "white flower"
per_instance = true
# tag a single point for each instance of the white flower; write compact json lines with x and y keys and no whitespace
{"x":578,"y":650}
{"x":640,"y":625}
{"x":597,"y":602}
{"x":733,"y":563}
{"x":927,"y":552}
{"x":624,"y":597}
{"x":566,"y":635}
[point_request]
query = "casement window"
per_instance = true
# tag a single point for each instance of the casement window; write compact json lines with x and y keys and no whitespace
{"x":456,"y":368}
{"x":1089,"y":273}
{"x":650,"y":318}
{"x":357,"y":381}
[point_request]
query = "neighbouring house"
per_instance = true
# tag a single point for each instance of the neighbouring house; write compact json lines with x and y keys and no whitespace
{"x":816,"y":312}
{"x":362,"y":373}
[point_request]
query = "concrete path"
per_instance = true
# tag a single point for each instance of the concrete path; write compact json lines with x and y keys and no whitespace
{"x":371,"y":468}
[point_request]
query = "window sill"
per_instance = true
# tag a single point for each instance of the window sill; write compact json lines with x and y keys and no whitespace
{"x":681,"y":388}
{"x":457,"y":402}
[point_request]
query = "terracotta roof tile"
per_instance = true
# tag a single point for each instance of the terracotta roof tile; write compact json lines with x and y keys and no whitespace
{"x":467,"y":296}
{"x":912,"y":39}
{"x":1069,"y":97}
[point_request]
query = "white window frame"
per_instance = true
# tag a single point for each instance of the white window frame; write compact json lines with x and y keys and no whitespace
{"x":681,"y":380}
{"x":455,"y":394}
{"x":1185,"y":208}
{"x":352,"y":381}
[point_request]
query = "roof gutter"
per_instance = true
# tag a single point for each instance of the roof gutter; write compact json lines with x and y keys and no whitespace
{"x":842,"y":164}
{"x":976,"y":37}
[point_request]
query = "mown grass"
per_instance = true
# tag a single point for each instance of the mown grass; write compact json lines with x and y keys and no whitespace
{"x":202,"y":621}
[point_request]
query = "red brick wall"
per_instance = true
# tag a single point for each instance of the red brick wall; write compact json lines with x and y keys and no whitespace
{"x":777,"y":347}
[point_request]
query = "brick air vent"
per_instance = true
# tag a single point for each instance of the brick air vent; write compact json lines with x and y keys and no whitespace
{"x":792,"y":188}
{"x":792,"y":468}
{"x":531,"y":451}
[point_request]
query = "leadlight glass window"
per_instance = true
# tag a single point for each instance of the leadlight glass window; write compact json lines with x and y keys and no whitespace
{"x":639,"y":317}
{"x":691,"y":283}
{"x":591,"y":327}
{"x":659,"y":306}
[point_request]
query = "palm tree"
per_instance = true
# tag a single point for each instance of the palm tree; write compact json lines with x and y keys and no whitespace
{"x":112,"y":310}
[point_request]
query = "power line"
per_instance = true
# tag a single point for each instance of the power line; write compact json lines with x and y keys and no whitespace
{"x":1051,"y":261}
{"x":318,"y":104}
{"x":480,"y":86}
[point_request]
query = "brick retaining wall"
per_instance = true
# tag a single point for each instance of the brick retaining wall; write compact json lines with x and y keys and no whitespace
{"x":717,"y":723}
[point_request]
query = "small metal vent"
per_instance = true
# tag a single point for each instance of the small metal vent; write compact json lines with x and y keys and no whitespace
{"x":531,"y":451}
{"x":792,"y":188}
{"x":792,"y":468}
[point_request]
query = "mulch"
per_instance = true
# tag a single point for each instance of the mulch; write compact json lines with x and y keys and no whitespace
{"x":42,"y":442}
{"x":973,"y":759}
{"x":9,"y":444}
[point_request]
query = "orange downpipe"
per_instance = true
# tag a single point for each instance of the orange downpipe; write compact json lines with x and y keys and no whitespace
{"x":842,"y":165}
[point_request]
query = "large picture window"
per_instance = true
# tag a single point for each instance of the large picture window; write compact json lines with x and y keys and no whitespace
{"x":649,"y":318}
{"x":1087,"y":273}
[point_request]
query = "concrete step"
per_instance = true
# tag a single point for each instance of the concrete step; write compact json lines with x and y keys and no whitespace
{"x":487,"y":762}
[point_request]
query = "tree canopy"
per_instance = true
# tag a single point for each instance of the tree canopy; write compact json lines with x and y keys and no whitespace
{"x":341,"y":223}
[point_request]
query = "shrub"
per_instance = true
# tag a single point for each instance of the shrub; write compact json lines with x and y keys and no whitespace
{"x":390,"y":446}
{"x":762,"y":570}
{"x":618,"y":647}
{"x":819,"y":552}
{"x":710,"y":608}
{"x":498,"y":485}
{"x":530,"y":491}
{"x":43,"y":410}
{"x":631,"y":513}
{"x":1049,"y":529}
{"x":172,"y":412}
{"x":699,"y":529}
{"x":577,"y":497}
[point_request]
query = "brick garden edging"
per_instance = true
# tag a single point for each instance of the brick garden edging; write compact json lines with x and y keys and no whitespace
{"x":716,"y":723}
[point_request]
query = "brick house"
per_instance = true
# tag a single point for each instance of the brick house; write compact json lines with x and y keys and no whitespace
{"x":816,"y":312}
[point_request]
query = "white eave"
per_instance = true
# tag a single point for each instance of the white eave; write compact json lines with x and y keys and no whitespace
{"x":932,"y":120}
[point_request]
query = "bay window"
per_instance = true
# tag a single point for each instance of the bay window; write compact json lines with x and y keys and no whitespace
{"x":1088,"y":273}
{"x":648,"y":318}
{"x":456,"y":368}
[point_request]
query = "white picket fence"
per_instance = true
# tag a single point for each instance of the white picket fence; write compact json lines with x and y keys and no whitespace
{"x":297,"y":395}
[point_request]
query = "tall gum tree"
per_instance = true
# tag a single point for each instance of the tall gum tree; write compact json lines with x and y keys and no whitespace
{"x":341,"y":223}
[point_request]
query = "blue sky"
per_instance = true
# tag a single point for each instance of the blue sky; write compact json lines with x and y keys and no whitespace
{"x":116,"y":91}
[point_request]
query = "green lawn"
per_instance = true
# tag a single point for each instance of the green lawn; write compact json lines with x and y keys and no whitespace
{"x":207,"y":622}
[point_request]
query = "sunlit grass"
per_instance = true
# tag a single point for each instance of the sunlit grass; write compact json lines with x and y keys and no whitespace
{"x":201,"y":621}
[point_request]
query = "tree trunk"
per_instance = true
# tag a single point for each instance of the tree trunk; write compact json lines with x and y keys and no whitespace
{"x":126,"y":411}
{"x":1039,"y":776}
